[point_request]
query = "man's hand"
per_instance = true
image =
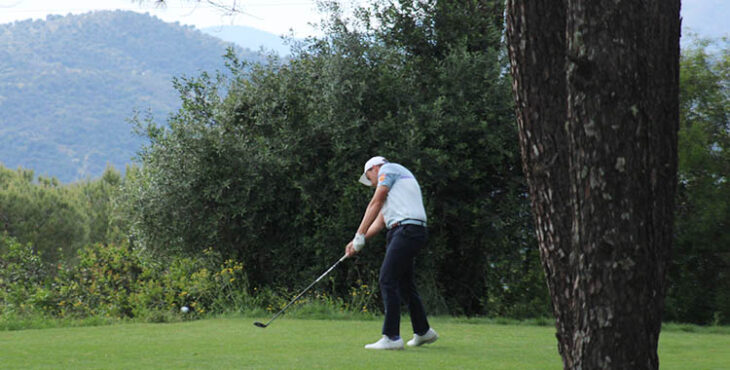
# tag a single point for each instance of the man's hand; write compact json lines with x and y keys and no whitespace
{"x":355,"y":245}
{"x":350,"y":250}
{"x":358,"y":242}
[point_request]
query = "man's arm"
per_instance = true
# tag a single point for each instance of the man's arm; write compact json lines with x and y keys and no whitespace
{"x":373,"y":210}
{"x":376,"y":226}
{"x":373,"y":221}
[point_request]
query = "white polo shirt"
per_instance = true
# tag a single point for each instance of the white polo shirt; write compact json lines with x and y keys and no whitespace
{"x":404,"y":201}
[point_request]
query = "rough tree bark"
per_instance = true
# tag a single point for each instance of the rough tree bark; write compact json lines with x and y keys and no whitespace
{"x":538,"y":75}
{"x":596,"y":93}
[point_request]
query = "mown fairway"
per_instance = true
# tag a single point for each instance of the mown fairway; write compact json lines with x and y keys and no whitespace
{"x":236,"y":343}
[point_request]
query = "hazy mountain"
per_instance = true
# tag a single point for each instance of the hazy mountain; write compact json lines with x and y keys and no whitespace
{"x":68,"y":85}
{"x":250,"y":38}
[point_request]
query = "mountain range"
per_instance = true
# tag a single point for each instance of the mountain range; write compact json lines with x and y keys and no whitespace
{"x":69,"y":84}
{"x":251,"y":38}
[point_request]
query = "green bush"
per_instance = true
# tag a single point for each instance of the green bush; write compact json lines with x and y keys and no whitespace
{"x":100,"y":284}
{"x":196,"y":283}
{"x":23,"y":278}
{"x":116,"y":282}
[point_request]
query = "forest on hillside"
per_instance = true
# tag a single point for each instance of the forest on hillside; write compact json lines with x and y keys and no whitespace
{"x":70,"y":84}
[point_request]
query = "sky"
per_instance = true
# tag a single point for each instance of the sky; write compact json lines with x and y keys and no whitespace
{"x":274,"y":16}
{"x":704,"y":17}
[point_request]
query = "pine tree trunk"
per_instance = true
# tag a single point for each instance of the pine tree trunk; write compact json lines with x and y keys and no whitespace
{"x":596,"y":92}
{"x":537,"y":52}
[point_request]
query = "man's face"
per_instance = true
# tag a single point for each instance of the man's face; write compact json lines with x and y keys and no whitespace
{"x":372,"y":174}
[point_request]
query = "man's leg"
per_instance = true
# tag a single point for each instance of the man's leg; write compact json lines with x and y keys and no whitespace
{"x":389,"y":277}
{"x":403,"y":245}
{"x":409,"y":293}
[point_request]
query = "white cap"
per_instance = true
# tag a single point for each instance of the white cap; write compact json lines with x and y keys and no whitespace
{"x":374,"y":161}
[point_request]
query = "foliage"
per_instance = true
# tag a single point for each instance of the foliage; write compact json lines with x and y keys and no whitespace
{"x":98,"y":202}
{"x":22,"y":277}
{"x":44,"y":213}
{"x":263,"y":166}
{"x":58,"y":220}
{"x":115,"y":282}
{"x":699,"y":289}
{"x":190,"y":282}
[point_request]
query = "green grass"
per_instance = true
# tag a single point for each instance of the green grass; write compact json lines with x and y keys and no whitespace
{"x":233,"y":342}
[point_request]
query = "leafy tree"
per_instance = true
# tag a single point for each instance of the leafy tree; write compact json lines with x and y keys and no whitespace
{"x":57,"y":220}
{"x":42,"y":213}
{"x":699,"y":291}
{"x":97,"y":198}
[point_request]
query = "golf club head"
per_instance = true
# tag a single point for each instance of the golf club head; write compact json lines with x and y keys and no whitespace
{"x":259,"y":324}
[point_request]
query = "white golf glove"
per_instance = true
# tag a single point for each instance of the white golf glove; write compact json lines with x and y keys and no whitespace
{"x":358,"y":242}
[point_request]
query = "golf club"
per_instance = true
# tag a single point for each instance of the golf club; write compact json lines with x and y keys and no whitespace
{"x":262,"y":325}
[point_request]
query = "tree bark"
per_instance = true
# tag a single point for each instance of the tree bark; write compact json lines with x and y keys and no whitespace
{"x":596,"y":93}
{"x":536,"y":37}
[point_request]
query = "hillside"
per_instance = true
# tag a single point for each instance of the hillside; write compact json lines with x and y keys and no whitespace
{"x":250,"y":38}
{"x":69,"y":84}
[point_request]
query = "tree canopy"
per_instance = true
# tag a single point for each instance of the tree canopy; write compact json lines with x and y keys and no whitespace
{"x":699,"y":289}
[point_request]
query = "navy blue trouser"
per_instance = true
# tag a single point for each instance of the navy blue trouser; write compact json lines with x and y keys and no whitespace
{"x":396,"y":278}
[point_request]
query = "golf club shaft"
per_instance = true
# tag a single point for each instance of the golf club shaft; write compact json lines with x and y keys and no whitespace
{"x":306,"y":289}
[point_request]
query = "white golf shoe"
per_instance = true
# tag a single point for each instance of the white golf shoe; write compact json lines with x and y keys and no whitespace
{"x":427,"y":338}
{"x":386,"y":343}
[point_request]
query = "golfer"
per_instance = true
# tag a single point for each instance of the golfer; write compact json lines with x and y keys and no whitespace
{"x":397,"y":205}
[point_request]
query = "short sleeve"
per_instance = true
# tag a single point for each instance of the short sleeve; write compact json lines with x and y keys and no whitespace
{"x":386,"y":178}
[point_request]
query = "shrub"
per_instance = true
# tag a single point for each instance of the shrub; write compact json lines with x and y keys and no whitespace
{"x":22,"y":277}
{"x":116,"y":281}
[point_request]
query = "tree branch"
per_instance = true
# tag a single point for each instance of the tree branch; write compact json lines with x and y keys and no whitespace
{"x":227,"y":7}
